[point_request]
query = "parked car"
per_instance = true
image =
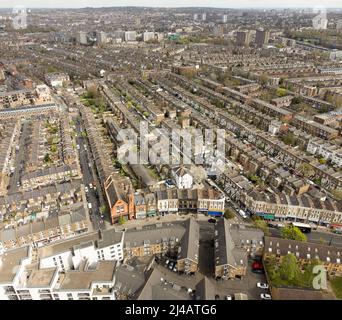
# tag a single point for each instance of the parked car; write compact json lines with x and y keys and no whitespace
{"x":212,"y":220}
{"x":229,"y":297}
{"x":217,"y":297}
{"x":262,"y":285}
{"x":265,"y":296}
{"x":260,"y":271}
{"x":257,"y":265}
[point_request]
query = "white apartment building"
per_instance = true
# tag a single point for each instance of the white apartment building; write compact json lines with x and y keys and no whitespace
{"x":130,"y":36}
{"x":182,"y":178}
{"x":148,"y":36}
{"x":326,"y":150}
{"x":95,"y":246}
{"x":21,"y":280}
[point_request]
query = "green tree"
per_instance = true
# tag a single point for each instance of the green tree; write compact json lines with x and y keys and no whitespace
{"x":47,"y":158}
{"x":262,"y":225}
{"x":281,"y":92}
{"x":103,"y":210}
{"x":51,"y":69}
{"x":92,"y":93}
{"x":263,"y":79}
{"x":289,"y":269}
{"x":121,"y":220}
{"x":229,"y":214}
{"x":53,"y":148}
{"x":289,"y":139}
{"x":337,"y":194}
{"x":322,"y":161}
{"x":297,"y":100}
{"x":306,"y":169}
{"x":293,"y":233}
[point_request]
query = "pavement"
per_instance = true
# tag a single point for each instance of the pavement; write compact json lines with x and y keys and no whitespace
{"x":152,"y":220}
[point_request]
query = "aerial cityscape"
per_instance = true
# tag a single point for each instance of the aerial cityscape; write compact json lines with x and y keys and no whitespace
{"x":170,"y":153}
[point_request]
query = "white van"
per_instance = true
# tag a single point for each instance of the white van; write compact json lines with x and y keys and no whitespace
{"x":243,"y":214}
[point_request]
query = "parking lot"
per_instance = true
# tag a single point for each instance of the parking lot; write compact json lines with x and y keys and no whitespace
{"x":245,"y":285}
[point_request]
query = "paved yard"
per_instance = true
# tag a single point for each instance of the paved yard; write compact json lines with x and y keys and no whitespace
{"x":246,"y":285}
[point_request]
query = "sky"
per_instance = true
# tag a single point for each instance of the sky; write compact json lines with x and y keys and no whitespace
{"x":168,"y":3}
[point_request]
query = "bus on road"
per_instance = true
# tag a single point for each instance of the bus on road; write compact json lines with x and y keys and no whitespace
{"x":304,"y":227}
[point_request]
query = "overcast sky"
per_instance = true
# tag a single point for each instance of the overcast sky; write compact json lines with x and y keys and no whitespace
{"x":168,"y":3}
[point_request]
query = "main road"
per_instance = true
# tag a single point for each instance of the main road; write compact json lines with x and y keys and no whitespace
{"x":317,"y":237}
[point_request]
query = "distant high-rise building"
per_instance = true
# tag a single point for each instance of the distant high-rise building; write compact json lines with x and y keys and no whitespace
{"x":148,"y":36}
{"x":130,"y":36}
{"x":81,"y":37}
{"x":336,"y":54}
{"x":61,"y":37}
{"x":218,"y":31}
{"x":101,"y":37}
{"x":339,"y":25}
{"x":261,"y":37}
{"x":243,"y":38}
{"x":204,"y":16}
{"x":195,"y":16}
{"x":2,"y":75}
{"x":320,"y":22}
{"x":225,"y":18}
{"x":119,"y":34}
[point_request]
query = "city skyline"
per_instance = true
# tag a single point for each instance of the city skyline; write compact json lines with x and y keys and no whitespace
{"x":181,"y":154}
{"x":171,"y":4}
